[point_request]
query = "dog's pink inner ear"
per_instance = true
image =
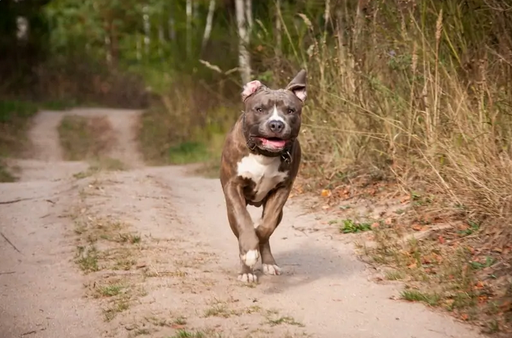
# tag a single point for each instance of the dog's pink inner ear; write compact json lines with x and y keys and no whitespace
{"x":250,"y":88}
{"x":301,"y":93}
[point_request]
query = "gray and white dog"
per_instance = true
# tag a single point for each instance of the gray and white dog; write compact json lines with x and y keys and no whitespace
{"x":259,"y":164}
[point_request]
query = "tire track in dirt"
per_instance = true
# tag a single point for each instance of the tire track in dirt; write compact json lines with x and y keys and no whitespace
{"x":164,"y":260}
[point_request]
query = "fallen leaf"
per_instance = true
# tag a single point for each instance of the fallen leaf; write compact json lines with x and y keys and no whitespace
{"x":177,"y":327}
{"x":464,"y":316}
{"x":375,"y":225}
{"x":388,"y":221}
{"x":506,"y":306}
{"x":417,"y":227}
{"x":441,"y":239}
{"x":325,"y":193}
{"x":405,"y":199}
{"x":479,"y":285}
{"x":413,"y":266}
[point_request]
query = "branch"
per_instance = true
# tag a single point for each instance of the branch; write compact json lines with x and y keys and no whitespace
{"x":8,"y":241}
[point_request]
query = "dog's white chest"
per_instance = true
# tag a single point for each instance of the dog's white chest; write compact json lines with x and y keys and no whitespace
{"x":263,"y":171}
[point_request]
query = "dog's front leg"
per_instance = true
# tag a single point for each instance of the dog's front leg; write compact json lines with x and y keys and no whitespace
{"x":272,"y":216}
{"x":242,"y":226}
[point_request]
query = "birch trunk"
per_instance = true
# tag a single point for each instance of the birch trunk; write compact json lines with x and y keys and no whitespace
{"x":244,"y":60}
{"x":189,"y":27}
{"x":279,"y":33}
{"x":209,"y":23}
{"x":147,"y":29}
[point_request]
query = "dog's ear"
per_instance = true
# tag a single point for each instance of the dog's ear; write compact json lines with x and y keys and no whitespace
{"x":250,"y":88}
{"x":298,"y":85}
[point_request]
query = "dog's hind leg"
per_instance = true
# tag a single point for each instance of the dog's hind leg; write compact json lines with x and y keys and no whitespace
{"x":272,"y":216}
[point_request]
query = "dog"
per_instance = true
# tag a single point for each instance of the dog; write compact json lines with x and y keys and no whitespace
{"x":259,"y":163}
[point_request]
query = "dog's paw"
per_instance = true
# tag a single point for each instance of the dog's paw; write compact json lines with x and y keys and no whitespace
{"x":248,"y":278}
{"x":269,"y":269}
{"x":250,"y":258}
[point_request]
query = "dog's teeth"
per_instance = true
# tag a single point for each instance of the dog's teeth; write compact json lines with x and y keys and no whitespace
{"x":269,"y":269}
{"x":251,"y":258}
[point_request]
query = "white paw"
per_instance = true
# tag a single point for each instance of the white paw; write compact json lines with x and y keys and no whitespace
{"x":247,"y":278}
{"x":251,"y":258}
{"x":269,"y":269}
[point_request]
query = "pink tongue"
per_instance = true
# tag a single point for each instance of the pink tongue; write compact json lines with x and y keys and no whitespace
{"x":274,"y":143}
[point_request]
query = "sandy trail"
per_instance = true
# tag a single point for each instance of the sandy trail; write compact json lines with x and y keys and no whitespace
{"x":185,"y":265}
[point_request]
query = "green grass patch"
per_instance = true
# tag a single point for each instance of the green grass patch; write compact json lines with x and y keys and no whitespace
{"x":14,"y":123}
{"x":6,"y":174}
{"x":418,"y":296}
{"x":188,"y":152}
{"x":163,"y":141}
{"x":350,"y":226}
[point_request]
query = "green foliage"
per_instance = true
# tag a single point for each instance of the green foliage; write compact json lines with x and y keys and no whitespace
{"x":11,"y":110}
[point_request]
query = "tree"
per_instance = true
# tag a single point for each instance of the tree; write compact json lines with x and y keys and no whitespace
{"x":244,"y":25}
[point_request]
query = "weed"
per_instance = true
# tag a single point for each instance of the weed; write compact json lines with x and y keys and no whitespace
{"x":218,"y":310}
{"x":473,"y":227}
{"x":142,"y":332}
{"x":87,"y":258}
{"x":489,"y":261}
{"x":188,"y":334}
{"x":109,"y":290}
{"x":5,"y":173}
{"x":350,"y":226}
{"x":116,"y":307}
{"x":417,"y":296}
{"x":283,"y":320}
{"x":181,"y":320}
{"x":394,"y":275}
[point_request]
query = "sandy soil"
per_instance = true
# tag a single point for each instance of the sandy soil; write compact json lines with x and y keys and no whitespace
{"x":179,"y":271}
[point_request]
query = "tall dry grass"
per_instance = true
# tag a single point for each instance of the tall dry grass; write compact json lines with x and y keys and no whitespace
{"x":418,"y":89}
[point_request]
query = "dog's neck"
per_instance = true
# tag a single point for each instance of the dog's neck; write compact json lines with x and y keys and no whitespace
{"x":285,"y":154}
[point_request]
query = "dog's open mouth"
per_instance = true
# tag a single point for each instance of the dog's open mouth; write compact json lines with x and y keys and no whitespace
{"x":272,"y":143}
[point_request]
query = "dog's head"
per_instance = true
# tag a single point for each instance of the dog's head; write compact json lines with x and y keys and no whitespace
{"x":273,"y":116}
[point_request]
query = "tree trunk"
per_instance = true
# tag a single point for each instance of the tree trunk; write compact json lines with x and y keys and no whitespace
{"x":189,"y":27}
{"x":209,"y":23}
{"x":147,"y":30}
{"x":244,"y":60}
{"x":279,"y":33}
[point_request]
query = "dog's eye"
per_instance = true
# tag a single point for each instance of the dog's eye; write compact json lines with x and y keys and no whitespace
{"x":291,"y":110}
{"x":259,"y":109}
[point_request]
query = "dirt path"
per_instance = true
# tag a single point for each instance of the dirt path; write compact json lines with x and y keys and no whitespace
{"x":161,"y":258}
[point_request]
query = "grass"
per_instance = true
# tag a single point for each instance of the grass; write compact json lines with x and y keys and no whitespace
{"x":106,"y":244}
{"x":163,"y":141}
{"x":350,"y":226}
{"x":440,"y":274}
{"x":188,"y":334}
{"x":109,"y":290}
{"x":273,"y":318}
{"x":87,"y":259}
{"x":417,"y":296}
{"x":84,"y":138}
{"x":103,"y":163}
{"x":14,"y":123}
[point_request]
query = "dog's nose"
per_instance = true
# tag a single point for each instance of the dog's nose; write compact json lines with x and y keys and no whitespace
{"x":276,"y":126}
